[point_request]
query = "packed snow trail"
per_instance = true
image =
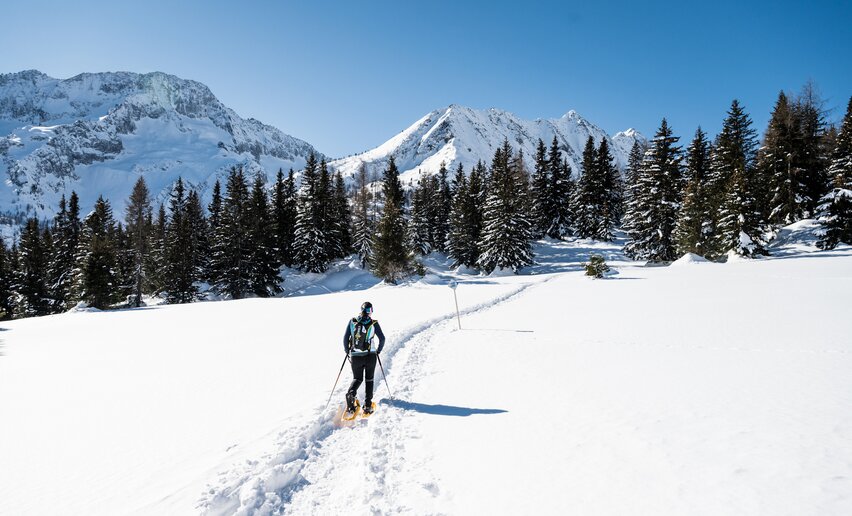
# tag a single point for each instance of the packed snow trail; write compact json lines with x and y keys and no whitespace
{"x":266,"y":486}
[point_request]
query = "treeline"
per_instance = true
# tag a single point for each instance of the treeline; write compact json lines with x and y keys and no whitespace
{"x":234,"y":248}
{"x":731,"y":195}
{"x":728,"y":195}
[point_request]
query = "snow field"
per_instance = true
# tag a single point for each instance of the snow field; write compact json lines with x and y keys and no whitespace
{"x":136,"y":411}
{"x":697,"y":389}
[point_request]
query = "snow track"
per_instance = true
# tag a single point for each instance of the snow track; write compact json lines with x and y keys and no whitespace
{"x":320,"y":469}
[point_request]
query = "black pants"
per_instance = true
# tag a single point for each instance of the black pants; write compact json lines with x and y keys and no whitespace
{"x":360,"y":366}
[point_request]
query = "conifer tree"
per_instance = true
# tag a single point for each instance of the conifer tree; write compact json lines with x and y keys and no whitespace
{"x":561,"y":189}
{"x":608,"y":196}
{"x":691,"y":233}
{"x":137,"y":218}
{"x":31,"y":273}
{"x":96,"y":275}
{"x":212,"y":275}
{"x":179,"y":277}
{"x":810,"y":114}
{"x":392,"y":192}
{"x":284,"y":217}
{"x":459,"y":245}
{"x":155,"y":260}
{"x":584,"y":202}
{"x":733,"y":187}
{"x":542,"y":207}
{"x":263,"y":276}
{"x":362,"y":228}
{"x":311,"y":247}
{"x":199,"y":237}
{"x":325,"y":205}
{"x":125,"y":265}
{"x":67,"y":226}
{"x":835,"y":210}
{"x":442,"y":206}
{"x":420,"y":229}
{"x":778,"y":167}
{"x":507,"y":231}
{"x":341,"y":216}
{"x":655,"y":200}
{"x":231,"y":255}
{"x":391,"y":260}
{"x":6,"y":282}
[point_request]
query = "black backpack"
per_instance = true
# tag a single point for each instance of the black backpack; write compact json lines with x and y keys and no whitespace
{"x":362,"y":334}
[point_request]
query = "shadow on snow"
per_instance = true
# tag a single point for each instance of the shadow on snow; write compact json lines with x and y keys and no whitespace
{"x":439,"y":410}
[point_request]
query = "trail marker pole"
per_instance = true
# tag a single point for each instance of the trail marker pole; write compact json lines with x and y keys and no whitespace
{"x":454,"y":285}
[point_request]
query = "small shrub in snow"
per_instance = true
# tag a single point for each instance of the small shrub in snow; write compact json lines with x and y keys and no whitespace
{"x":596,"y":267}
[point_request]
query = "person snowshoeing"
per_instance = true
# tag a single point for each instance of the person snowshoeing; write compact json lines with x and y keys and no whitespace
{"x":359,"y":343}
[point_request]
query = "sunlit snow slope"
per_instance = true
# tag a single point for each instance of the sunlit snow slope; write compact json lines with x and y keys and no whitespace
{"x":698,"y":388}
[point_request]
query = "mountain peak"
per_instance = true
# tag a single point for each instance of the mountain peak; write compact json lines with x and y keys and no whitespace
{"x":96,"y":133}
{"x":462,"y":135}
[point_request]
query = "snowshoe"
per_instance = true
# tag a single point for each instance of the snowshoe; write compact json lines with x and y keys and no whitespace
{"x":350,"y":415}
{"x":368,"y":410}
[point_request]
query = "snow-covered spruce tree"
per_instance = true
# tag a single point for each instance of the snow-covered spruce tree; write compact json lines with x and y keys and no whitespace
{"x":284,"y":217}
{"x":66,"y":233}
{"x":507,"y":231}
{"x":211,"y":274}
{"x":608,"y":197}
{"x":310,"y":245}
{"x":12,"y":261}
{"x":391,"y":260}
{"x":155,"y":260}
{"x":199,"y":236}
{"x":137,"y":218}
{"x":457,"y":240}
{"x":179,"y":277}
{"x":440,"y":211}
{"x":778,"y":167}
{"x":262,"y":264}
{"x":632,"y":189}
{"x":655,"y":200}
{"x":541,"y":209}
{"x":95,"y":274}
{"x":362,"y":228}
{"x":31,"y":273}
{"x":812,"y":155}
{"x":733,"y":188}
{"x":6,"y":281}
{"x":835,"y":210}
{"x":124,"y":261}
{"x":341,"y":215}
{"x":231,"y":251}
{"x":584,"y":195}
{"x":560,"y":214}
{"x":691,"y":232}
{"x":466,"y":216}
{"x":420,"y":228}
{"x":325,"y":205}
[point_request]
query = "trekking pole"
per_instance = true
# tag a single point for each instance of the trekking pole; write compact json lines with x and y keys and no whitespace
{"x":384,"y":376}
{"x":337,"y":380}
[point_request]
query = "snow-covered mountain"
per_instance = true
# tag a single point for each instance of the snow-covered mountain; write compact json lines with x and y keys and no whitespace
{"x":458,"y":134}
{"x":96,"y":133}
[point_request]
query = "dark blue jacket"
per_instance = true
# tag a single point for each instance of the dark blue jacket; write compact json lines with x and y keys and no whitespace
{"x":348,"y":335}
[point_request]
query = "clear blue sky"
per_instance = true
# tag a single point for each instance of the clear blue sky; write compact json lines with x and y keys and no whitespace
{"x":346,"y":76}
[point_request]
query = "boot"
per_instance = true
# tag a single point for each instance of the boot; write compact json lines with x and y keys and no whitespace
{"x":351,"y":403}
